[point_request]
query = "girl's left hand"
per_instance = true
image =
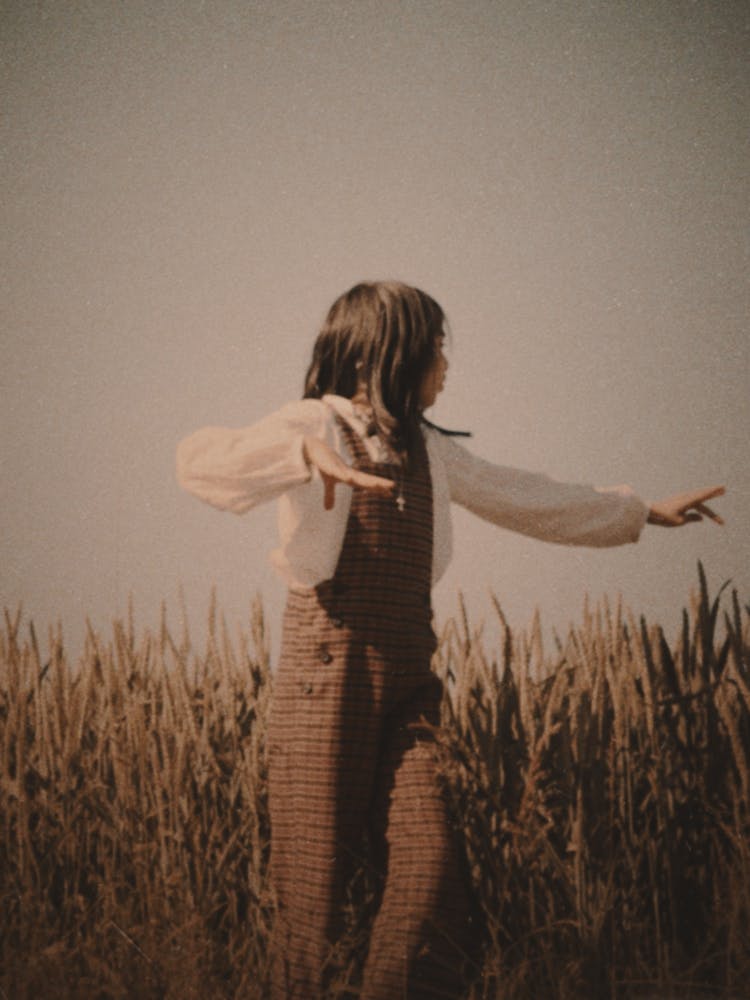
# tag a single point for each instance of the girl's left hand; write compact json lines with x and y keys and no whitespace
{"x":682,"y":508}
{"x":333,"y":469}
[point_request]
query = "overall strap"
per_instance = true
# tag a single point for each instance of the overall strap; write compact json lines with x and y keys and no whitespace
{"x":357,"y":449}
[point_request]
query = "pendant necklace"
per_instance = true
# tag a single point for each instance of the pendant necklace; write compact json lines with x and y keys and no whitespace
{"x":400,"y":498}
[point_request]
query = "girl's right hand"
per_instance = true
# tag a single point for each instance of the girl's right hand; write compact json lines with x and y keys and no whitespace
{"x":683,"y":508}
{"x":333,"y":469}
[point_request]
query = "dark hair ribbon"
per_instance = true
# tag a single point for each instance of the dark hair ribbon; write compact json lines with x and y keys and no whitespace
{"x":444,"y":430}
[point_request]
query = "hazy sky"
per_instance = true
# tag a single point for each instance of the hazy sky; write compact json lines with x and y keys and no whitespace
{"x":187,"y":186}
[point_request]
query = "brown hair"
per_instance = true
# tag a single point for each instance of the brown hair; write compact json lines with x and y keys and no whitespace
{"x":382,"y":335}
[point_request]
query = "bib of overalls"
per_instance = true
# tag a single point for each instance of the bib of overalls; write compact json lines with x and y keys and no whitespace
{"x":385,"y":565}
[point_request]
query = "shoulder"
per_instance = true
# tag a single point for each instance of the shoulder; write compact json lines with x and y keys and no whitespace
{"x":317,"y":417}
{"x":304,"y":414}
{"x":447,"y":446}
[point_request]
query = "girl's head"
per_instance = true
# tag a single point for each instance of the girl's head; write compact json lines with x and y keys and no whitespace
{"x":383,"y":340}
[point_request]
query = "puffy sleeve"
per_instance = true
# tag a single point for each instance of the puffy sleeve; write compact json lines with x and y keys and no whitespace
{"x":238,"y":469}
{"x":537,"y":505}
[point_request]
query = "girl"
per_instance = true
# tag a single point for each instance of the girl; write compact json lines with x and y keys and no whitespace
{"x":350,"y":751}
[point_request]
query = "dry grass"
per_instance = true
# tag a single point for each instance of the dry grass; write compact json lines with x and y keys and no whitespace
{"x":604,"y":809}
{"x":134,"y":824}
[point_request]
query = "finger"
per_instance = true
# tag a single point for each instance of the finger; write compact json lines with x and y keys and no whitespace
{"x":698,"y":496}
{"x":709,"y":513}
{"x":376,"y":484}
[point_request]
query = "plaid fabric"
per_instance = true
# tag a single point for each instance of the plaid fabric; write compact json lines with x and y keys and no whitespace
{"x":349,"y":753}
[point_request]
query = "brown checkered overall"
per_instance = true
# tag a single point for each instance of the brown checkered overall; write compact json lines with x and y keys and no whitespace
{"x":348,"y":754}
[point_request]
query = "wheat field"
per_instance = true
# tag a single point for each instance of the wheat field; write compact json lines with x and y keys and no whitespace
{"x":601,"y":794}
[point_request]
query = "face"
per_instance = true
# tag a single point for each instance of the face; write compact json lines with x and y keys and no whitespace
{"x":434,"y":379}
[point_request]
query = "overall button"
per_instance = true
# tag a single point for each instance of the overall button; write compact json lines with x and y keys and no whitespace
{"x":307,"y":688}
{"x":325,"y":656}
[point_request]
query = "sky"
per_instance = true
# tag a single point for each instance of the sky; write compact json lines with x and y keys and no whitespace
{"x":186,"y":187}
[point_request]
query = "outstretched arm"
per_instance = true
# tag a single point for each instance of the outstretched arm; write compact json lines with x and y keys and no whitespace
{"x":570,"y":514}
{"x":539,"y":506}
{"x":682,"y":508}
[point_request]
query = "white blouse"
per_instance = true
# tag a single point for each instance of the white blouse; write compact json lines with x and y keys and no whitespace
{"x":236,"y":470}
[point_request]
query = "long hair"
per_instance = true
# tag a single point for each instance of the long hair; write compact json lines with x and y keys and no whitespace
{"x":383,"y":336}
